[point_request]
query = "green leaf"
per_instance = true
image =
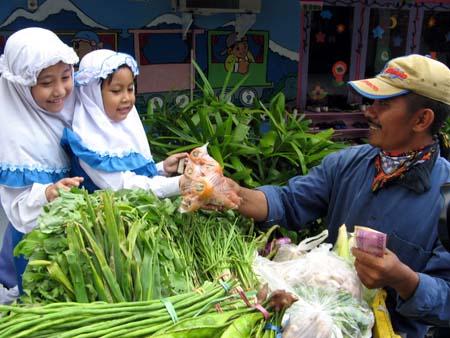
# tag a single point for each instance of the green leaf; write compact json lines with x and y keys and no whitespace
{"x":219,"y":124}
{"x":215,"y":153}
{"x":225,"y":85}
{"x":206,"y":127}
{"x":240,"y":133}
{"x":236,"y":87}
{"x":301,"y":158}
{"x":267,"y":142}
{"x":207,"y":88}
{"x":278,"y":108}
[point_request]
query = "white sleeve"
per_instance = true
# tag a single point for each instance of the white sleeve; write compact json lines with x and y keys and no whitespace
{"x":160,"y":169}
{"x":160,"y":185}
{"x":23,"y":206}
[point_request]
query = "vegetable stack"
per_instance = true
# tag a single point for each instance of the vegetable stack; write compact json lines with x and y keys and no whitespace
{"x":131,"y":246}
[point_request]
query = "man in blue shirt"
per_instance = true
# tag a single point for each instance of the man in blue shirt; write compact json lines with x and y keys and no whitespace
{"x":391,"y":185}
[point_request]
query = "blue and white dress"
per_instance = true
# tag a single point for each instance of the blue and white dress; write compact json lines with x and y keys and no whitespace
{"x":109,"y":154}
{"x":31,"y":157}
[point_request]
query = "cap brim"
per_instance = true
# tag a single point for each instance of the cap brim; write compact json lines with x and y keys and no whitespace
{"x":376,"y":89}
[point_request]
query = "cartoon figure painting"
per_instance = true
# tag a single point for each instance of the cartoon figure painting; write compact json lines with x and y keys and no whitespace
{"x":239,"y":56}
{"x":246,"y":57}
{"x":86,"y":41}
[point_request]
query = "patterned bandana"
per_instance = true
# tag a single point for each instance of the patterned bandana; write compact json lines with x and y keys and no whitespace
{"x":411,"y":169}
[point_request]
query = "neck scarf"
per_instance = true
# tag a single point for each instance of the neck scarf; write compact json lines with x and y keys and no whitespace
{"x":30,"y":136}
{"x":411,"y":169}
{"x":100,"y":142}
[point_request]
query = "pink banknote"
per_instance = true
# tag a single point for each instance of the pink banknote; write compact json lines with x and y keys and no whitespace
{"x":370,"y":241}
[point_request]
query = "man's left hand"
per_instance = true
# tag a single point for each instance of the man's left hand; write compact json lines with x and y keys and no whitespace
{"x":378,"y":272}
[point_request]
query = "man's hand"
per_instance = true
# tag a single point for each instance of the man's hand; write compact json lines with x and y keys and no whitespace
{"x":170,"y":164}
{"x":227,"y":194}
{"x":52,"y":190}
{"x":378,"y":272}
{"x":252,"y":203}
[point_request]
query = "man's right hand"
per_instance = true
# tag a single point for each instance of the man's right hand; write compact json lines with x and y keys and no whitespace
{"x":252,"y":203}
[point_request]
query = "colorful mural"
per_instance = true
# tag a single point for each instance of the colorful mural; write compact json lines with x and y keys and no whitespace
{"x":163,"y":45}
{"x":293,"y":57}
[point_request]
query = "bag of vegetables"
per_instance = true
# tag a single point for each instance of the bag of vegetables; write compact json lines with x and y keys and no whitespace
{"x":328,"y":289}
{"x":319,"y":267}
{"x":204,"y":184}
{"x":322,"y":313}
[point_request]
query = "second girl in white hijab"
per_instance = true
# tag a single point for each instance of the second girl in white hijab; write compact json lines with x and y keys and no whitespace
{"x":107,"y":136}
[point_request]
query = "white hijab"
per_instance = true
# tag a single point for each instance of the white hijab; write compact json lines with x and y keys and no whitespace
{"x":29,"y":135}
{"x":96,"y":139}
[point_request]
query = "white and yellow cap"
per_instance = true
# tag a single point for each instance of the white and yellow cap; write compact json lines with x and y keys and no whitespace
{"x":413,"y":73}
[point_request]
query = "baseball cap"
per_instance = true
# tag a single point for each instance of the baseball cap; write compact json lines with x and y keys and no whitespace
{"x":413,"y":73}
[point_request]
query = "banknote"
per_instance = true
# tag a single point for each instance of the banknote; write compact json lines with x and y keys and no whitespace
{"x":370,"y":241}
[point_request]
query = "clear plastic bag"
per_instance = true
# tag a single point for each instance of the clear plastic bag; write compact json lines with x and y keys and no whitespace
{"x":329,"y":292}
{"x":288,"y":252}
{"x":322,"y":313}
{"x":319,"y":267}
{"x":204,"y":183}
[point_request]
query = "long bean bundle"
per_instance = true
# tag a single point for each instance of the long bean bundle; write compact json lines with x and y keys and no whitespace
{"x":126,"y":319}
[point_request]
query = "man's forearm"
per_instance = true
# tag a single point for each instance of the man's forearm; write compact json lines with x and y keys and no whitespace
{"x":253,"y":204}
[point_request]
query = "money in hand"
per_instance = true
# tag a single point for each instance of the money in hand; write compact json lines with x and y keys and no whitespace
{"x":370,"y":241}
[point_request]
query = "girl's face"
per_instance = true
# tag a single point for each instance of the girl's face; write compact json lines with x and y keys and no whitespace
{"x":118,"y":94}
{"x":54,"y":85}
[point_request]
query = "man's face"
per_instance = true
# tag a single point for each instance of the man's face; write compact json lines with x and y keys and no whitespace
{"x":391,"y":125}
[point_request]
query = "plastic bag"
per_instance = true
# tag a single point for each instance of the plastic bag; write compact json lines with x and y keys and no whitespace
{"x":318,"y":268}
{"x":205,"y":184}
{"x":288,"y":252}
{"x":322,"y":313}
{"x":328,"y":289}
{"x":383,"y":325}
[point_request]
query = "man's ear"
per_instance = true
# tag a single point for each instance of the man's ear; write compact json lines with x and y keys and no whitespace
{"x":424,"y":119}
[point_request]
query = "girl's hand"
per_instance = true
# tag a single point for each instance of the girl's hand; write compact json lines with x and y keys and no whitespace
{"x":170,"y":164}
{"x":52,"y":190}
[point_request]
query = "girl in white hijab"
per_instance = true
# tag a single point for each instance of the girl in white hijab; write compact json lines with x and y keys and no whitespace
{"x":36,"y":103}
{"x":107,"y":134}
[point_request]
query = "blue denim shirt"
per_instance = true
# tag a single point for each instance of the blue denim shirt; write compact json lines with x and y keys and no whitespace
{"x":339,"y":190}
